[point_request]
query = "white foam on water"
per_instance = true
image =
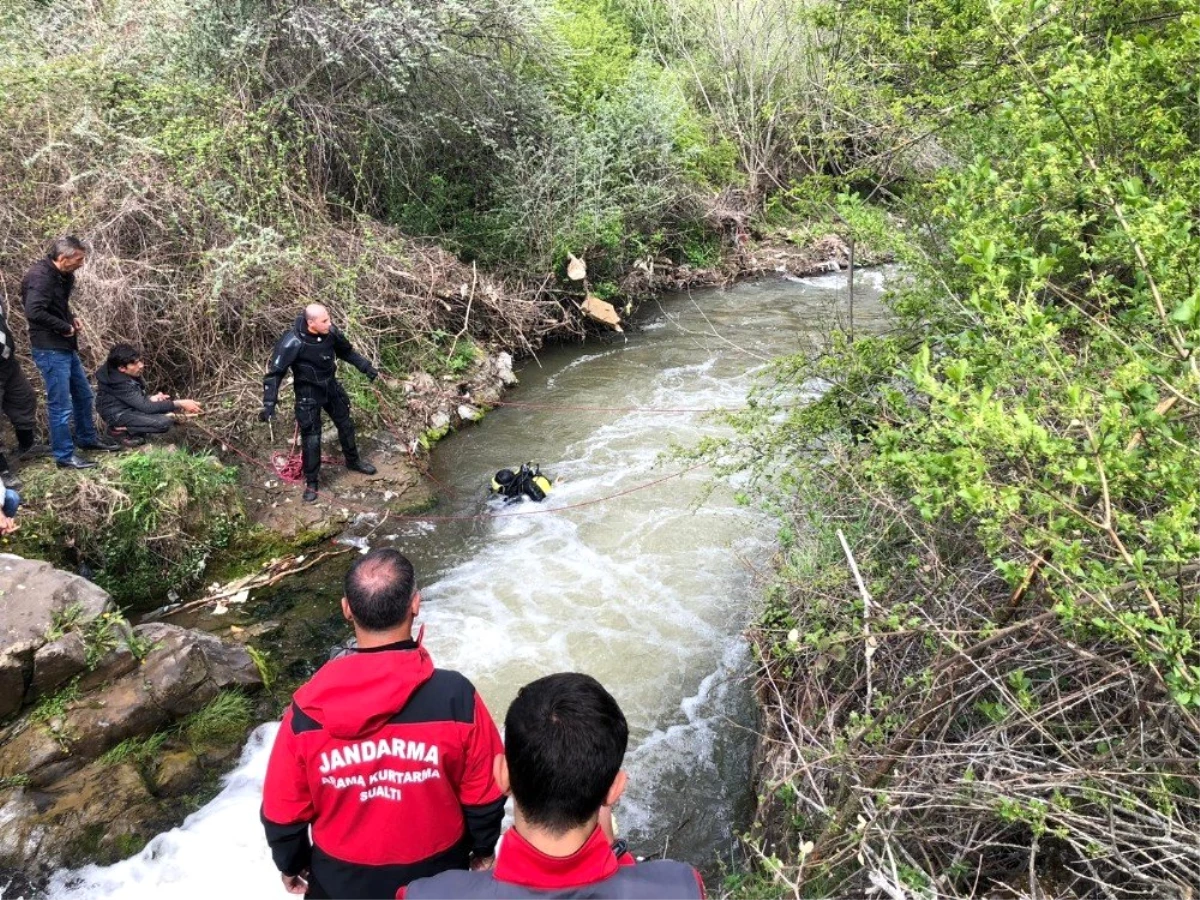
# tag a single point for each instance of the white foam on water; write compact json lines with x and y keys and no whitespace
{"x":217,"y":851}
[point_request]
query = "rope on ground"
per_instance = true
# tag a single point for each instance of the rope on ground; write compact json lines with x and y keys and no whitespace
{"x":376,"y":511}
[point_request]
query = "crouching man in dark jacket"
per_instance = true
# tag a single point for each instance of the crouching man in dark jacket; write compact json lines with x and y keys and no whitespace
{"x":123,"y":404}
{"x":564,"y":741}
{"x":311,"y":349}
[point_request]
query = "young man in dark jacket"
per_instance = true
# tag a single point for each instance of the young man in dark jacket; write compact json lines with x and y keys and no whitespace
{"x":123,"y":404}
{"x":386,"y":759}
{"x":564,"y":741}
{"x":54,"y":337}
{"x":311,"y":349}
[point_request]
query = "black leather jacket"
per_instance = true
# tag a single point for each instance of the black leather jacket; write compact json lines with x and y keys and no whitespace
{"x":45,"y":293}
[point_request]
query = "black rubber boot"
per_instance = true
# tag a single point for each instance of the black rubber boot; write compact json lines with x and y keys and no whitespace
{"x":310,"y":493}
{"x":310,"y":457}
{"x":354,"y":462}
{"x":358,"y":464}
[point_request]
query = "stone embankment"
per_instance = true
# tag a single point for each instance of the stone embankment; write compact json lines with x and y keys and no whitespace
{"x":104,"y":728}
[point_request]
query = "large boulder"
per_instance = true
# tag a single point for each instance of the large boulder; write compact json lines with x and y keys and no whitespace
{"x":34,"y":596}
{"x":182,"y":671}
{"x":37,"y":603}
{"x":64,"y":799}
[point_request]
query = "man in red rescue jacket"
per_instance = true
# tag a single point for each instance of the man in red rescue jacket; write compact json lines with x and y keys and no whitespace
{"x":565,"y":738}
{"x":386,"y":759}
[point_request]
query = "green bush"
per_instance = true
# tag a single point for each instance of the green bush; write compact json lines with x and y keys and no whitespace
{"x":147,"y":521}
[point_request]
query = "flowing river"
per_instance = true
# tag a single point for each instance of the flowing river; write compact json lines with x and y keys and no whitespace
{"x":646,"y":588}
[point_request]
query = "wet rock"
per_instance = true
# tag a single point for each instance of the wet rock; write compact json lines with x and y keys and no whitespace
{"x":34,"y":596}
{"x":56,"y":662}
{"x":93,"y":814}
{"x":176,"y":773}
{"x":502,"y":364}
{"x":112,"y":665}
{"x":12,"y":684}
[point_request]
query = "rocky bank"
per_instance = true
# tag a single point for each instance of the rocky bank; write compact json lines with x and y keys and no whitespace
{"x":106,"y":730}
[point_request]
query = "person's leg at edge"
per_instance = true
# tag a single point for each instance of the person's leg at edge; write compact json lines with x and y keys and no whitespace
{"x":55,"y":366}
{"x":137,"y":424}
{"x":20,"y":405}
{"x":338,"y":407}
{"x":82,"y":402}
{"x":308,"y":416}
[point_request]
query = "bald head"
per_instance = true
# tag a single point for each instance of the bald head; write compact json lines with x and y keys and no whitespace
{"x":316,"y":317}
{"x":379,"y":589}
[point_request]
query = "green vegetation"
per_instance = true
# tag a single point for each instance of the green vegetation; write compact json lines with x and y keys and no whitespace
{"x":147,"y":521}
{"x":223,"y":721}
{"x":980,"y":652}
{"x":142,"y":752}
{"x":1011,"y":467}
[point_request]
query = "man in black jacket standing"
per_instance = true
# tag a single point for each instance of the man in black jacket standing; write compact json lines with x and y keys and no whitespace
{"x":54,"y":337}
{"x":311,"y":348}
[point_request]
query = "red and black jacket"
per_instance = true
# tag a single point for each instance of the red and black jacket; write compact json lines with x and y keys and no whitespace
{"x":595,"y":871}
{"x":389,"y":761}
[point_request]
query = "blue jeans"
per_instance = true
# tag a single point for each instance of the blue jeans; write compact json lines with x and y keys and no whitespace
{"x":67,"y":393}
{"x":11,"y":501}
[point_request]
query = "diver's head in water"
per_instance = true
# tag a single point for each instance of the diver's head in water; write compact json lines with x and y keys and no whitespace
{"x":381,"y":597}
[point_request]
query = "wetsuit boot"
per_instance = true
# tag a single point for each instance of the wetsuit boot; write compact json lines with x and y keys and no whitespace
{"x":354,"y":462}
{"x":310,"y":457}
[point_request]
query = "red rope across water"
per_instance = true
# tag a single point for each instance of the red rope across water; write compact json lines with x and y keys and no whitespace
{"x":653,"y":409}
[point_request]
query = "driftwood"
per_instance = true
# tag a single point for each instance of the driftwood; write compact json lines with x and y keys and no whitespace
{"x":221,"y":596}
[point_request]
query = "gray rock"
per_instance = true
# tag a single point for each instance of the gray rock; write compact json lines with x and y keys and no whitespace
{"x":56,"y":662}
{"x":33,"y":593}
{"x":503,"y":364}
{"x":112,"y":665}
{"x":12,"y":684}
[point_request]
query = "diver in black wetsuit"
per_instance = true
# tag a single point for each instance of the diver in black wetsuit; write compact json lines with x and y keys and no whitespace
{"x":311,"y":349}
{"x":528,"y":481}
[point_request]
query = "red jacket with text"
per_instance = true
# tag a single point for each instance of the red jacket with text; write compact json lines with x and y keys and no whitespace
{"x":596,"y":871}
{"x":389,"y":761}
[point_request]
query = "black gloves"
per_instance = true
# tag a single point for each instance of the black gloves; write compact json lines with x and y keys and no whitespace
{"x":266,"y":414}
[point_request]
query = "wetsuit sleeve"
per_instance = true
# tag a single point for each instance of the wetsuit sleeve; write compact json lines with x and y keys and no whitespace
{"x":481,"y":798}
{"x":282,"y":358}
{"x":287,"y":805}
{"x":343,"y":349}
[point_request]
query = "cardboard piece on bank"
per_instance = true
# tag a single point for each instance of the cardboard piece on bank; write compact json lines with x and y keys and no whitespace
{"x":601,"y":311}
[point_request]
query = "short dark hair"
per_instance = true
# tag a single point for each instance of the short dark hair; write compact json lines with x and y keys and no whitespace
{"x":67,"y":245}
{"x":380,"y":587}
{"x":123,"y":355}
{"x":564,"y":740}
